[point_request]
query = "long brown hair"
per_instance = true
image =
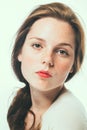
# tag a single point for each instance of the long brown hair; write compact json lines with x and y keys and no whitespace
{"x":22,"y":101}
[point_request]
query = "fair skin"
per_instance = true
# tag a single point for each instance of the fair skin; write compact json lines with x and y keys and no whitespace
{"x":50,"y":47}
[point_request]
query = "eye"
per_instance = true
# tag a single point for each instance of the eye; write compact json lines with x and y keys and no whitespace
{"x":62,"y":52}
{"x":36,"y":46}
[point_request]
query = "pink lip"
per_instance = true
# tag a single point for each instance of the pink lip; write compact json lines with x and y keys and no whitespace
{"x":44,"y":74}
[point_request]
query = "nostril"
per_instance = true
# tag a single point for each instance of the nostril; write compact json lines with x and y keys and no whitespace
{"x":48,"y":61}
{"x":51,"y":64}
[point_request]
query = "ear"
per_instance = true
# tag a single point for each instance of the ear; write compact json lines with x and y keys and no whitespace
{"x":20,"y":57}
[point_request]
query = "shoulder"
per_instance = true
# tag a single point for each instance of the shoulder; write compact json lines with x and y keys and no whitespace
{"x":66,"y":103}
{"x":66,"y":112}
{"x":69,"y":102}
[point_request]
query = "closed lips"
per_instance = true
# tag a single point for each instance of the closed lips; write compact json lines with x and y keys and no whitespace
{"x":44,"y":74}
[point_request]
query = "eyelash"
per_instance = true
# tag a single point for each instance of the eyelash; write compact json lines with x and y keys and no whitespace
{"x":61,"y":52}
{"x":36,"y":46}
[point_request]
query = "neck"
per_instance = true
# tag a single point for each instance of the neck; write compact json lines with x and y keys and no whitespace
{"x":41,"y":101}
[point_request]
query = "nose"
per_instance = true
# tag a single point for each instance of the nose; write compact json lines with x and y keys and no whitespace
{"x":48,"y":59}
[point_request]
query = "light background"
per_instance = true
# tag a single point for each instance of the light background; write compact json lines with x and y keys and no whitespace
{"x":12,"y":15}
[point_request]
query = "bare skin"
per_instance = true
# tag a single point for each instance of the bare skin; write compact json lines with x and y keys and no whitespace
{"x":49,"y":47}
{"x":39,"y":107}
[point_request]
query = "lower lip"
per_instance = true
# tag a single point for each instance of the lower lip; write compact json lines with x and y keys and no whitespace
{"x":44,"y":75}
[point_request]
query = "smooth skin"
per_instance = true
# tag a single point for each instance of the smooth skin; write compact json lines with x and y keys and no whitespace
{"x":49,"y":46}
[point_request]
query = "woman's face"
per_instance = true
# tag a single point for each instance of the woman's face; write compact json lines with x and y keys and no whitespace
{"x":47,"y":55}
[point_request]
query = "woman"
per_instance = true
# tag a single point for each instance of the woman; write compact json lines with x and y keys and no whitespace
{"x":48,"y":52}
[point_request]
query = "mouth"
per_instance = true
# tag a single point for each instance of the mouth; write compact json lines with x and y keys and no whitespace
{"x":44,"y":74}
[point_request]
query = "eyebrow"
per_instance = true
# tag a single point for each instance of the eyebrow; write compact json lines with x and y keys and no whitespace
{"x":59,"y":44}
{"x":37,"y":38}
{"x":65,"y":44}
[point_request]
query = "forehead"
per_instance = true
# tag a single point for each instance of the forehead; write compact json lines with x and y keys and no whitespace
{"x":52,"y":28}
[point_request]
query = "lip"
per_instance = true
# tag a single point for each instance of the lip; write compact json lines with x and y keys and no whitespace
{"x":44,"y":74}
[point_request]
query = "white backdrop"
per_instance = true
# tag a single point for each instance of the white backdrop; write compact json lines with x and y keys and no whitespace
{"x":12,"y":14}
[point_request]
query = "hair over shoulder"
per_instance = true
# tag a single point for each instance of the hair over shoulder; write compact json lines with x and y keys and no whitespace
{"x":22,"y":101}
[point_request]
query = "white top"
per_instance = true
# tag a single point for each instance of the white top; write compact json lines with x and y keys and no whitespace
{"x":66,"y":113}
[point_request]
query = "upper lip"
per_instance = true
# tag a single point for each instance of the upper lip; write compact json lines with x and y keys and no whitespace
{"x":44,"y":72}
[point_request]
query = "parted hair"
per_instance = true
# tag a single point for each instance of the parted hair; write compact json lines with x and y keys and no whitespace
{"x":22,"y":101}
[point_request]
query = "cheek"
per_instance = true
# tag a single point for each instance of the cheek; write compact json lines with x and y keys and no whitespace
{"x":26,"y":67}
{"x":27,"y":62}
{"x":64,"y":66}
